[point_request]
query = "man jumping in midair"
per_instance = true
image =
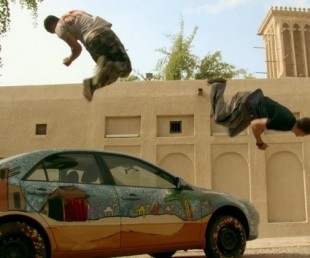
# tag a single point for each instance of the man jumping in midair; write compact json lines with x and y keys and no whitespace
{"x":101,"y":42}
{"x":255,"y":109}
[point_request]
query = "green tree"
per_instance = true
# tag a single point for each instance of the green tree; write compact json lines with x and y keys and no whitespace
{"x":130,"y":78}
{"x":178,"y":62}
{"x":5,"y":11}
{"x":5,"y":14}
{"x":212,"y":66}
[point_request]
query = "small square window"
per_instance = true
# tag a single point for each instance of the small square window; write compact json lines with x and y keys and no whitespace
{"x":175,"y":126}
{"x":41,"y":129}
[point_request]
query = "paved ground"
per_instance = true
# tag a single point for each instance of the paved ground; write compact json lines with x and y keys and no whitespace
{"x":294,"y":247}
{"x":288,"y":247}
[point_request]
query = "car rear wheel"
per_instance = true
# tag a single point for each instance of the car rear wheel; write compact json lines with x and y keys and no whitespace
{"x":163,"y":255}
{"x":225,"y":238}
{"x":21,"y":240}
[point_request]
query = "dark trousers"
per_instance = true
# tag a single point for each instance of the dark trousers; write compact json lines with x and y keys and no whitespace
{"x":233,"y":114}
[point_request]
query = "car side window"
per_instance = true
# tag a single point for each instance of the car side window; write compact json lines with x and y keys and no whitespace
{"x":67,"y":168}
{"x":131,"y":172}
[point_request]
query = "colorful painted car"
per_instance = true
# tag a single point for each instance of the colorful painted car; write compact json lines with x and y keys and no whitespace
{"x":70,"y":203}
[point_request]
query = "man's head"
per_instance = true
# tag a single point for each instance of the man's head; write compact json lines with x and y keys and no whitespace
{"x":303,"y":127}
{"x":50,"y":23}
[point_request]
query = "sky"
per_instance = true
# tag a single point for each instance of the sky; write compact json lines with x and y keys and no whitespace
{"x":32,"y":56}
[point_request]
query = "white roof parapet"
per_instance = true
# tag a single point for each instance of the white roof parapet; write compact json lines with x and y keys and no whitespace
{"x":285,"y":8}
{"x":281,"y":11}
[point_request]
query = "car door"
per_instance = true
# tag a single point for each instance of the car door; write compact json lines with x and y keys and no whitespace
{"x":69,"y":191}
{"x":153,"y":211}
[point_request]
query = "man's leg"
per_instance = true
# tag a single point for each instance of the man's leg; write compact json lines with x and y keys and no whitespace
{"x":111,"y":57}
{"x":89,"y":89}
{"x":242,"y":126}
{"x":233,"y":114}
{"x":112,"y":61}
{"x":219,"y":108}
{"x":108,"y":71}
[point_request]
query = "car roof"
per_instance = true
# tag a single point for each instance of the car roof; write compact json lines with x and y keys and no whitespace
{"x":21,"y":163}
{"x":40,"y":154}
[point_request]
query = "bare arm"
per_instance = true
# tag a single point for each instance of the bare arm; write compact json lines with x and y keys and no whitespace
{"x":76,"y":49}
{"x":258,"y":127}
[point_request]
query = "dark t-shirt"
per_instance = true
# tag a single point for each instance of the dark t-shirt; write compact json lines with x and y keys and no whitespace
{"x":278,"y":117}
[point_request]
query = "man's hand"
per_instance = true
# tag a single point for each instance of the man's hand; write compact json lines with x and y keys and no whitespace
{"x":258,"y":128}
{"x":76,"y":49}
{"x":261,"y":146}
{"x":67,"y":61}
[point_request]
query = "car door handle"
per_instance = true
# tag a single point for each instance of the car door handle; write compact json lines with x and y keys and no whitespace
{"x":131,"y":197}
{"x":40,"y":191}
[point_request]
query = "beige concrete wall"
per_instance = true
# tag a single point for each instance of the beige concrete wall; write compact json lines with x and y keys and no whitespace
{"x":135,"y":117}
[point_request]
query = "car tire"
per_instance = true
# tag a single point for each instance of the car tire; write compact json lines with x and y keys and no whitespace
{"x":225,"y":238}
{"x":163,"y":255}
{"x":21,"y":240}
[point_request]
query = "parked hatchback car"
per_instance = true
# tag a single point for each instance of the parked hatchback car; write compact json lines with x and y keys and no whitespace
{"x":70,"y":203}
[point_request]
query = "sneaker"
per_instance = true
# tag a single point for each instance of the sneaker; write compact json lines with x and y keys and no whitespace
{"x":89,"y":89}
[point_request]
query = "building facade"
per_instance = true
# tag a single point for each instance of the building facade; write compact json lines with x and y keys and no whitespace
{"x":168,"y":123}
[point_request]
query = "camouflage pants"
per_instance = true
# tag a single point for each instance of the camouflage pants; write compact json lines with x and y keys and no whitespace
{"x":110,"y":55}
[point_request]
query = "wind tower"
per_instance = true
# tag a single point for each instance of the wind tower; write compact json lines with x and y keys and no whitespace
{"x":286,"y":33}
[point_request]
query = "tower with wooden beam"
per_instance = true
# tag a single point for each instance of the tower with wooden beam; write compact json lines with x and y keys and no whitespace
{"x":286,"y":33}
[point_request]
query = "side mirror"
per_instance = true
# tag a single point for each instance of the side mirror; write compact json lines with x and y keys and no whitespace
{"x":182,"y":185}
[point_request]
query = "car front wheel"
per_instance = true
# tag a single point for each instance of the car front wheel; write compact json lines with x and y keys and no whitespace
{"x":21,"y":240}
{"x":225,"y":238}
